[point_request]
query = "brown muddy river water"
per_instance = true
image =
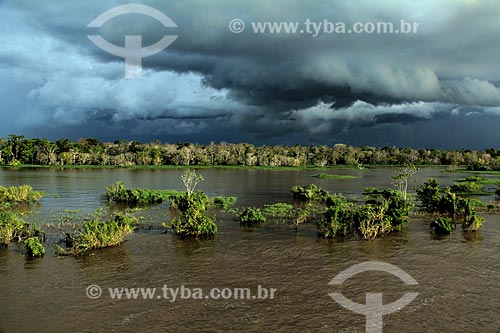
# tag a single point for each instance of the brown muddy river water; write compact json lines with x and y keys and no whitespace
{"x":458,"y":276}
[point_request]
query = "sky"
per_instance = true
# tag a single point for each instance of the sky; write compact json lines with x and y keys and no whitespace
{"x":435,"y":88}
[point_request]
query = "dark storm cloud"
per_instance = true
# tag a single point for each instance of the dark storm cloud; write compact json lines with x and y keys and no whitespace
{"x":258,"y":86}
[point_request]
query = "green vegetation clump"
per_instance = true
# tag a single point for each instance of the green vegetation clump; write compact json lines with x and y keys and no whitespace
{"x":472,"y":222}
{"x":224,"y":202}
{"x":481,"y":204}
{"x":337,"y":220}
{"x":336,"y":199}
{"x":34,"y":247}
{"x":279,"y":210}
{"x":301,"y":215}
{"x":194,"y":221}
{"x":290,"y":214}
{"x":175,"y":200}
{"x":388,"y":211}
{"x":449,"y":204}
{"x":377,"y":217}
{"x":474,"y":178}
{"x":473,"y":185}
{"x":372,"y":191}
{"x":19,"y":194}
{"x":97,"y":234}
{"x":330,"y":176}
{"x":311,"y":193}
{"x":252,"y":216}
{"x":435,"y":201}
{"x":443,"y":225}
{"x":11,"y":226}
{"x":118,"y":193}
{"x":467,"y":187}
{"x":429,"y":195}
{"x":397,"y":208}
{"x":480,"y":180}
{"x":371,"y":221}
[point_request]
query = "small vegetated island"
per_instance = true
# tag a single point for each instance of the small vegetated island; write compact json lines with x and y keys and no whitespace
{"x":193,"y":213}
{"x":12,"y":227}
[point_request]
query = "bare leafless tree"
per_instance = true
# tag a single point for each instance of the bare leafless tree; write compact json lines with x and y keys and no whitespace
{"x":191,"y":179}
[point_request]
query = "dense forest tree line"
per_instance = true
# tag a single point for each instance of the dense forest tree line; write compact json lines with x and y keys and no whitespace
{"x":16,"y":150}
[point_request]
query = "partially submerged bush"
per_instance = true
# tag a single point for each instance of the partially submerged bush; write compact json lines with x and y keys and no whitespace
{"x":397,"y":208}
{"x":309,"y":193}
{"x":371,"y":221}
{"x":19,"y":194}
{"x":472,"y":222}
{"x":449,"y":204}
{"x":194,"y":221}
{"x":336,"y":200}
{"x":385,"y":214}
{"x":474,"y":178}
{"x":118,"y":193}
{"x":429,"y":195}
{"x":219,"y":202}
{"x":300,"y":215}
{"x":12,"y":227}
{"x":175,"y":200}
{"x":279,"y":210}
{"x":337,"y":221}
{"x":466,"y":187}
{"x":98,"y":234}
{"x":224,"y":202}
{"x":443,"y":225}
{"x":34,"y":247}
{"x":372,"y":191}
{"x":251,"y":216}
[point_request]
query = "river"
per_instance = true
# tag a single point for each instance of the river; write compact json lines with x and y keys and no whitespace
{"x":457,"y":275}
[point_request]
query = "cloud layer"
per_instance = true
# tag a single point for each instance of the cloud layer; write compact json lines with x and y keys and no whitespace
{"x":211,"y":84}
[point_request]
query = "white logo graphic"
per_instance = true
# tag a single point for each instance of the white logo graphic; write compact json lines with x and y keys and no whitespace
{"x":374,"y":309}
{"x":133,"y":52}
{"x":236,"y":26}
{"x":94,"y":291}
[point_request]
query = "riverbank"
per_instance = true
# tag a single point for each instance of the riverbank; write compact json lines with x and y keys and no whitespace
{"x":229,"y":167}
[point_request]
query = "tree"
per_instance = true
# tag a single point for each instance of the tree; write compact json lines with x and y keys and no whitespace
{"x":194,"y":221}
{"x":46,"y":152}
{"x":429,"y":194}
{"x":14,"y":146}
{"x":63,"y":145}
{"x":191,"y":179}
{"x":403,"y":177}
